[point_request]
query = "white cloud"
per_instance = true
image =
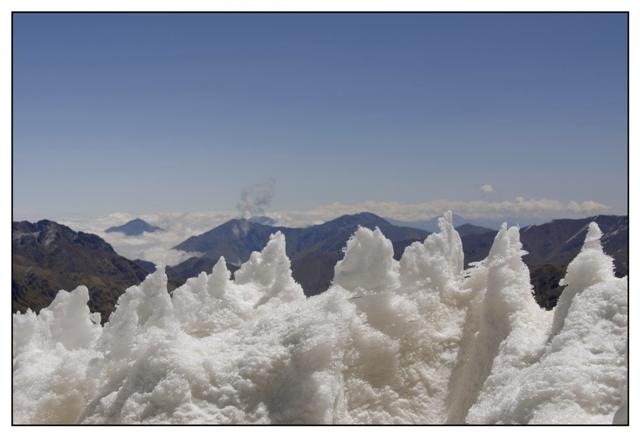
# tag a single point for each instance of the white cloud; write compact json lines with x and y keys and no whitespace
{"x":156,"y":246}
{"x":487,"y":188}
{"x":520,"y":206}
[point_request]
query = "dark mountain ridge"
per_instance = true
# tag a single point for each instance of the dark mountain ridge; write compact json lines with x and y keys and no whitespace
{"x":313,"y":250}
{"x":559,"y":241}
{"x":552,"y":246}
{"x":48,"y":257}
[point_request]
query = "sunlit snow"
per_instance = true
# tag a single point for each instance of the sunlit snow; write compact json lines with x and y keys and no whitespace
{"x":420,"y":340}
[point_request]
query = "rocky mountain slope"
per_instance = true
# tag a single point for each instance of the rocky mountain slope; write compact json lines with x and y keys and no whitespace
{"x":47,"y":257}
{"x":553,"y":245}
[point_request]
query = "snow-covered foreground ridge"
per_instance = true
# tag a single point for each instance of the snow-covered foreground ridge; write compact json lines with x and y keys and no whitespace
{"x":420,"y":340}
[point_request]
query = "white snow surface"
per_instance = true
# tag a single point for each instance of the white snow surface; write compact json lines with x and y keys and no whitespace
{"x":420,"y":340}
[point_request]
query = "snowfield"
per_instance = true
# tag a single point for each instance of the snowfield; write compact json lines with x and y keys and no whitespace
{"x":420,"y":340}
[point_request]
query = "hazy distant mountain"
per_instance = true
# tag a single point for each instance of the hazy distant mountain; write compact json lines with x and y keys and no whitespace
{"x":235,"y":240}
{"x":462,"y":225}
{"x":488,"y":223}
{"x":147,"y":266}
{"x":134,"y":227}
{"x":313,"y":250}
{"x":469,"y":229}
{"x":427,"y":225}
{"x":47,"y":257}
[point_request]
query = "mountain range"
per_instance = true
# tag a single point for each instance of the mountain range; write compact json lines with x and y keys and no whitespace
{"x":551,"y":246}
{"x":313,"y":250}
{"x":431,"y":225}
{"x":48,"y":256}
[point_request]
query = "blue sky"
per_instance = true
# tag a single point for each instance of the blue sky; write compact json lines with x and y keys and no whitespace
{"x":164,"y":112}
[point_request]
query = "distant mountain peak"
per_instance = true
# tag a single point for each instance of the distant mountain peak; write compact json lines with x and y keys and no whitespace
{"x":134,"y":227}
{"x":430,"y":225}
{"x":470,"y":229}
{"x":361,"y":218}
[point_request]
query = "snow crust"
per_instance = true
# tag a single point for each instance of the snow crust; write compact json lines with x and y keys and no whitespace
{"x":420,"y":340}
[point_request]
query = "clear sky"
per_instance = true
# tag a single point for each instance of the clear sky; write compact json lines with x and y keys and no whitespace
{"x":179,"y":112}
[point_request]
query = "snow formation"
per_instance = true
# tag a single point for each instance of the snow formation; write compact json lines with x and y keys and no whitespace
{"x":420,"y":340}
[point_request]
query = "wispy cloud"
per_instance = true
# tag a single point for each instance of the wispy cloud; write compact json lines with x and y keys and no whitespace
{"x":520,"y":206}
{"x":256,"y":199}
{"x":487,"y":188}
